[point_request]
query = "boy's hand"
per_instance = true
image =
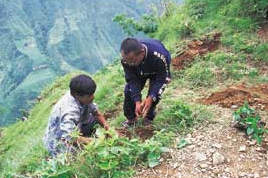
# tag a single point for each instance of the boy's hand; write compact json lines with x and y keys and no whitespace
{"x":83,"y":140}
{"x":102,"y":120}
{"x":106,"y":126}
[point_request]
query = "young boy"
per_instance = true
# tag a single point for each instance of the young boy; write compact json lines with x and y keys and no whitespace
{"x":74,"y":111}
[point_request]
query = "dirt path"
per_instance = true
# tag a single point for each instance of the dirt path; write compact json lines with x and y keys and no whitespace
{"x":215,"y":150}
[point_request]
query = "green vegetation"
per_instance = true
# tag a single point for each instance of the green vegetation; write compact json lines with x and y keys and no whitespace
{"x":22,"y":152}
{"x":100,"y":157}
{"x":45,"y":39}
{"x":247,"y":118}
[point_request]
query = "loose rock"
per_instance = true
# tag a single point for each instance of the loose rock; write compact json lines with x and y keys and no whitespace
{"x":217,"y":158}
{"x":200,"y":157}
{"x":242,"y":148}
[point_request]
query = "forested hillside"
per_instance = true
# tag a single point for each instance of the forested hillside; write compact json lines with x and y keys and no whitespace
{"x":40,"y":40}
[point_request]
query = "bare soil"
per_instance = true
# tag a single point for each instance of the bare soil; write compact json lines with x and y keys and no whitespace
{"x":143,"y":133}
{"x":196,"y":47}
{"x":235,"y":96}
{"x":263,"y":32}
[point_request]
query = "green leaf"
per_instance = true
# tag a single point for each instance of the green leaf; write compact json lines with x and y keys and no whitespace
{"x":237,"y":117}
{"x":258,"y":138}
{"x":108,"y":165}
{"x":153,"y":162}
{"x":182,"y":143}
{"x":153,"y":159}
{"x":250,"y":130}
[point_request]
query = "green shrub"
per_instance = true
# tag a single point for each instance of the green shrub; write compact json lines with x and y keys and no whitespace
{"x":147,"y":24}
{"x":247,"y":118}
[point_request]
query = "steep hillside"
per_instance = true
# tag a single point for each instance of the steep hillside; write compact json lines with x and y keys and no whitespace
{"x":41,"y":40}
{"x":220,"y":56}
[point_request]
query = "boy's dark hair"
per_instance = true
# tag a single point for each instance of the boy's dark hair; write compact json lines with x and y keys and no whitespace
{"x":82,"y":85}
{"x":130,"y":45}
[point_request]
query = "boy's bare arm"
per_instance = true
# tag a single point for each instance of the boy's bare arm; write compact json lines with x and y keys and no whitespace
{"x":102,"y":120}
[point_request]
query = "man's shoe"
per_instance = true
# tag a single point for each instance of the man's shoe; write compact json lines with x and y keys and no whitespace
{"x":128,"y":123}
{"x":147,"y":122}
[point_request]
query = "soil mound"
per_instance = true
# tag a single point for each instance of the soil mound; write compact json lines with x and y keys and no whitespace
{"x":235,"y":96}
{"x":196,"y":47}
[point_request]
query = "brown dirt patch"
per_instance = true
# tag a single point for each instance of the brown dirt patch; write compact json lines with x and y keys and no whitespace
{"x":263,"y":32}
{"x":111,"y":113}
{"x":143,"y":133}
{"x":196,"y":47}
{"x":256,"y":96}
{"x":122,"y":132}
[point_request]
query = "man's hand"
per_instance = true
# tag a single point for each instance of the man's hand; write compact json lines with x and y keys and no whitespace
{"x":147,"y":105}
{"x":138,"y":109}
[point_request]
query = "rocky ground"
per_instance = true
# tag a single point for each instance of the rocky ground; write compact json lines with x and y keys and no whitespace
{"x":215,"y":150}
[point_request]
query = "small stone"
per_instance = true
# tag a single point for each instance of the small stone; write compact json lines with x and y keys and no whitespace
{"x":178,"y":175}
{"x":242,"y":148}
{"x":217,"y":158}
{"x":261,"y":150}
{"x":252,"y":143}
{"x":211,"y":150}
{"x":200,"y":137}
{"x":216,"y":171}
{"x":242,"y":156}
{"x":234,"y":106}
{"x":227,"y":169}
{"x":241,"y":134}
{"x":217,"y":145}
{"x":265,"y":173}
{"x":200,"y":157}
{"x":242,"y":174}
{"x":234,"y":140}
{"x":203,"y":170}
{"x":191,"y":146}
{"x":175,"y":165}
{"x":256,"y":175}
{"x":203,"y":166}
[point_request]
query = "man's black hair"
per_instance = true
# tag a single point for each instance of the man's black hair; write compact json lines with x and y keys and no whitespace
{"x":82,"y":85}
{"x":130,"y":45}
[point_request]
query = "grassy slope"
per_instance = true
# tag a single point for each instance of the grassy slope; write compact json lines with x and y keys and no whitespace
{"x":21,"y":148}
{"x":22,"y":141}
